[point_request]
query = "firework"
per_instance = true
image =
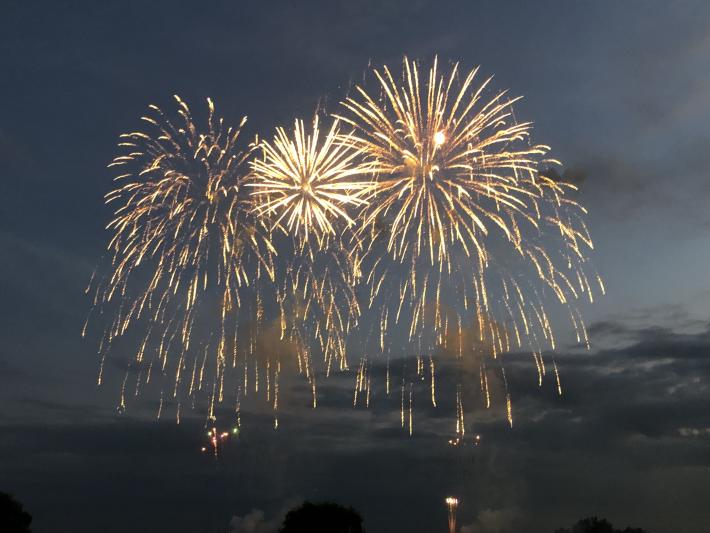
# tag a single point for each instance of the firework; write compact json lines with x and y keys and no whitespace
{"x":217,"y":438}
{"x":452,"y":505}
{"x":305,"y":186}
{"x":424,"y":203}
{"x":309,"y":181}
{"x":463,"y":212}
{"x":184,"y":248}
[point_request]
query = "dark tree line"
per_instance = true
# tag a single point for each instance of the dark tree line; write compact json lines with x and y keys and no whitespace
{"x":597,"y":525}
{"x":13,"y":518}
{"x":324,"y":517}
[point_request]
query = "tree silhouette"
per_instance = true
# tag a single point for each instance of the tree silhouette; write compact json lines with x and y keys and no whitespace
{"x":323,"y":517}
{"x":13,"y":518}
{"x":597,"y":525}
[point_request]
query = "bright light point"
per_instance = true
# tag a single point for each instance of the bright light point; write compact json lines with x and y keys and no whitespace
{"x":452,"y":503}
{"x":439,"y":138}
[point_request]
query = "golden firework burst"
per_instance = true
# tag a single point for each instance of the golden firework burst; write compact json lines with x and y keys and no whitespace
{"x":307,"y":183}
{"x":309,"y":180}
{"x":183,"y":240}
{"x":425,"y":202}
{"x":449,"y":165}
{"x":463,"y":210}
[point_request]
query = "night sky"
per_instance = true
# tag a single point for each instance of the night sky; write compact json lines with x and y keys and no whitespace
{"x":620,"y":90}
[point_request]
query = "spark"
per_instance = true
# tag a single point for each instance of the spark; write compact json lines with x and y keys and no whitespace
{"x":452,"y":506}
{"x":217,"y":438}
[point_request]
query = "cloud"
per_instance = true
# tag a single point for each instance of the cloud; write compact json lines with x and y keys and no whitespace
{"x":495,"y":521}
{"x":255,"y":521}
{"x":631,"y":424}
{"x":694,"y":432}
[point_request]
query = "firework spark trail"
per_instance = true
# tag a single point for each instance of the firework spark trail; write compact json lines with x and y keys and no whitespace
{"x":184,"y":248}
{"x":318,"y":306}
{"x":463,"y":211}
{"x":452,"y":505}
{"x":305,"y":185}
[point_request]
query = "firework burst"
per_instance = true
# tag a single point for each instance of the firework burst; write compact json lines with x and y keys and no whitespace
{"x":306,"y":184}
{"x":441,"y":155}
{"x":309,"y":181}
{"x":183,"y":247}
{"x":424,"y":203}
{"x":463,"y":212}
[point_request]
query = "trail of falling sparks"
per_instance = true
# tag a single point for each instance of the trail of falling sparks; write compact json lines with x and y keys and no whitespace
{"x":452,"y":506}
{"x":305,"y":185}
{"x":464,"y":211}
{"x":216,"y":439}
{"x":184,"y":250}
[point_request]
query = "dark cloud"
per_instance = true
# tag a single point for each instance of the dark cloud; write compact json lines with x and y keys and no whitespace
{"x":255,"y":520}
{"x":494,"y":521}
{"x":632,"y":420}
{"x":574,"y":175}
